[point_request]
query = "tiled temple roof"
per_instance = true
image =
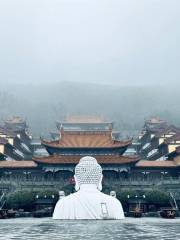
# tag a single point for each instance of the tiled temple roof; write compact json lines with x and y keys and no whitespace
{"x":155,"y":120}
{"x":84,"y":119}
{"x":15,"y":119}
{"x":17,"y":164}
{"x":87,"y":139}
{"x":74,"y":159}
{"x":154,"y":164}
{"x":155,"y":124}
{"x":176,"y":137}
{"x":167,"y":130}
{"x":7,"y":132}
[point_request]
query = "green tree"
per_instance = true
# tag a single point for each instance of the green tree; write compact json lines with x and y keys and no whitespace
{"x":158,"y":198}
{"x":21,"y":200}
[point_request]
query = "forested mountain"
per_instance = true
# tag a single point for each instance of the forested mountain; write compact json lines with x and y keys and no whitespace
{"x":128,"y":106}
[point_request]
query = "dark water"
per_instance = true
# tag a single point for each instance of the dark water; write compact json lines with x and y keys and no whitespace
{"x":130,"y":228}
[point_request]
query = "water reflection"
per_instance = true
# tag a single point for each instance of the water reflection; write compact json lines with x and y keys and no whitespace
{"x":128,"y":229}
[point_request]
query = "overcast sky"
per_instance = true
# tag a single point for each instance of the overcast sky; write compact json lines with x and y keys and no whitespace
{"x":126,"y":42}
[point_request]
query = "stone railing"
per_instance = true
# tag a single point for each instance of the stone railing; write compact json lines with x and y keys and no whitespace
{"x":8,"y":185}
{"x":34,"y":183}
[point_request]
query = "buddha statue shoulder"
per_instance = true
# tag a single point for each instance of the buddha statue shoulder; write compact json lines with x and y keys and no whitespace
{"x":88,"y":202}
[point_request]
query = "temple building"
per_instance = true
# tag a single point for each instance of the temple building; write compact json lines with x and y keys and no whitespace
{"x":158,"y":140}
{"x":15,"y":141}
{"x":82,"y":123}
{"x":81,"y":137}
{"x":158,"y":152}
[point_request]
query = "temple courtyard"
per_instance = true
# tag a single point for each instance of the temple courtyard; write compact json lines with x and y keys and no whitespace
{"x":128,"y":229}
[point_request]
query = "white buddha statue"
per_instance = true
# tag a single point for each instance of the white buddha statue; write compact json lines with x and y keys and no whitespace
{"x":88,"y":202}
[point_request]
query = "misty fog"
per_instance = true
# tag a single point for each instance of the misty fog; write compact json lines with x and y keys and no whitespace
{"x":43,"y":105}
{"x":117,"y":58}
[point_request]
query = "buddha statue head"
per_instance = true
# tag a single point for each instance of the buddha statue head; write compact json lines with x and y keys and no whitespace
{"x":88,"y":171}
